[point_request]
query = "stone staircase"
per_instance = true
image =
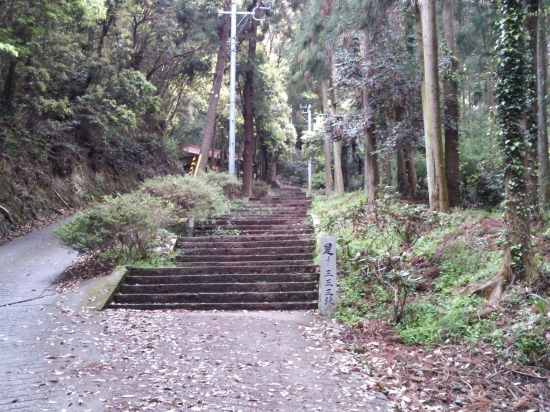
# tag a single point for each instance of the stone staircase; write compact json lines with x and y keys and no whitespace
{"x":257,"y":258}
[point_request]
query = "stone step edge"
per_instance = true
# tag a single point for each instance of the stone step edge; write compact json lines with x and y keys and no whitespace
{"x":231,"y":278}
{"x":282,"y":306}
{"x":214,"y":250}
{"x":232,"y":297}
{"x":237,"y":270}
{"x":221,"y":284}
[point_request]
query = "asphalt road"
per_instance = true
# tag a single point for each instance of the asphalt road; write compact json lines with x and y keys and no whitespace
{"x":30,"y":265}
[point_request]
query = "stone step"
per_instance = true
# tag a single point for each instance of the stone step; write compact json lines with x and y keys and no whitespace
{"x":265,"y":215}
{"x":229,"y":249}
{"x":219,"y":306}
{"x":230,"y":238}
{"x":242,"y":258}
{"x":258,"y":226}
{"x":219,"y":265}
{"x":266,"y":211}
{"x":236,"y":297}
{"x":257,"y":220}
{"x":227,"y":270}
{"x":245,"y":241}
{"x":235,"y":231}
{"x":274,"y":206}
{"x":264,"y":262}
{"x":190,"y":246}
{"x":176,"y":278}
{"x":285,"y":200}
{"x":219,"y":287}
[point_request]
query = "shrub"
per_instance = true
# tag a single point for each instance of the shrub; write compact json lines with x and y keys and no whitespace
{"x":193,"y":196}
{"x":528,"y":337}
{"x":122,"y":228}
{"x":228,"y":183}
{"x":260,"y":188}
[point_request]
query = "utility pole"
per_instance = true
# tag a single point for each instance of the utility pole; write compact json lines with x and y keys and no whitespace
{"x":233,"y":74}
{"x":307,"y":109}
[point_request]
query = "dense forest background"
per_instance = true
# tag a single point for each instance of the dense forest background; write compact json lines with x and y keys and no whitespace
{"x":99,"y":94}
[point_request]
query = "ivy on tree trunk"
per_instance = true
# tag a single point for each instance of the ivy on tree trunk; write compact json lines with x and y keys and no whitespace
{"x":512,"y":77}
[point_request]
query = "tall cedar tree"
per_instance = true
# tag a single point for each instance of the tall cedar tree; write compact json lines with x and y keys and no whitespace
{"x":326,"y":141}
{"x":210,"y":122}
{"x":512,"y":79}
{"x":371,"y":174}
{"x":542,"y":67}
{"x":248,"y":108}
{"x":435,"y":163}
{"x":450,"y":85}
{"x":531,"y":154}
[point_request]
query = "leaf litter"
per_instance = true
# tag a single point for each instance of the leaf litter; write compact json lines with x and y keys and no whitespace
{"x":127,"y":360}
{"x":445,"y":377}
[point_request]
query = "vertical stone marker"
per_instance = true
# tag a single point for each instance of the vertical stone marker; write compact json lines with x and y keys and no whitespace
{"x":327,"y":298}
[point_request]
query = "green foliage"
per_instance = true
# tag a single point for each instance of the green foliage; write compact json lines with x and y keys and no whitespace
{"x":375,"y":240}
{"x":9,"y":49}
{"x":193,"y":196}
{"x":431,"y":320}
{"x":102,"y":83}
{"x":92,"y":10}
{"x":124,"y":228}
{"x":527,"y":338}
{"x":401,"y":263}
{"x":260,"y":188}
{"x":481,"y":162}
{"x":227,"y":183}
{"x":120,"y":229}
{"x":353,"y":306}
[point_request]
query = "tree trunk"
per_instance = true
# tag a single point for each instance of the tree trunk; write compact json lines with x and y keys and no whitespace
{"x":387,"y":178}
{"x":210,"y":123}
{"x":222,"y":150}
{"x":372,"y":175}
{"x":437,"y":184}
{"x":402,"y":177}
{"x":420,"y":55}
{"x":105,"y":27}
{"x":531,"y":158}
{"x":213,"y":157}
{"x":264,"y":164}
{"x":326,"y":143}
{"x":452,"y":161}
{"x":337,"y":145}
{"x":338,"y":175}
{"x":248,"y":110}
{"x":490,"y":95}
{"x":344,"y":161}
{"x":512,"y":72}
{"x":410,"y":169}
{"x":542,"y":76}
{"x":9,"y":85}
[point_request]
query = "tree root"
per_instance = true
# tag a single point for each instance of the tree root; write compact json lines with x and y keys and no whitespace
{"x":495,"y":287}
{"x":63,"y":200}
{"x":7,"y":213}
{"x":493,"y":290}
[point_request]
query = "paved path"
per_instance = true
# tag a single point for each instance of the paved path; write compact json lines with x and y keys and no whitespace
{"x":30,"y":265}
{"x":54,"y":359}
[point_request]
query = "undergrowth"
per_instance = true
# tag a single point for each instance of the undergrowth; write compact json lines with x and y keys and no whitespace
{"x":404,"y":264}
{"x":126,"y":229}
